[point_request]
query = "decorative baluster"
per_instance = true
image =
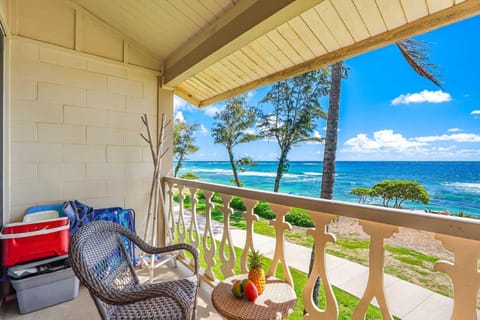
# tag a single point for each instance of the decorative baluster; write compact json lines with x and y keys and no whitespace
{"x":464,"y":274}
{"x":193,"y":232}
{"x":170,"y":223}
{"x":378,"y":232}
{"x":181,"y":215}
{"x":279,"y":255}
{"x":319,"y":270}
{"x":249,"y":217}
{"x":209,"y":251}
{"x":227,"y":262}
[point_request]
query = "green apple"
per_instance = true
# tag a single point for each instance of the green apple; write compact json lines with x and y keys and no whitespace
{"x":237,"y":289}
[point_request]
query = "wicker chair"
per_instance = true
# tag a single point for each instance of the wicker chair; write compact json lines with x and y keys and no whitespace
{"x":99,"y":259}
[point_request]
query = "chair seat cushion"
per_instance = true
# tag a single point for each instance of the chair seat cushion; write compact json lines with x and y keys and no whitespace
{"x":162,"y":307}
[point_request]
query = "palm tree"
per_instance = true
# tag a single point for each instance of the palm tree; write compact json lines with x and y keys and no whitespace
{"x":416,"y":55}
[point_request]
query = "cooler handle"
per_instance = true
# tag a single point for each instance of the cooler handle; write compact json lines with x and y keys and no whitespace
{"x":33,"y":233}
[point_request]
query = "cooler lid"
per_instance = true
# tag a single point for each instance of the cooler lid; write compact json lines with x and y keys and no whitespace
{"x":43,"y":266}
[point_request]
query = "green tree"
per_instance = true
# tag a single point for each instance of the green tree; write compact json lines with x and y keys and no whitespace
{"x":296,"y":107}
{"x":399,"y":191}
{"x":231,"y":127}
{"x":362,"y":193}
{"x":190,"y":176}
{"x":183,"y":142}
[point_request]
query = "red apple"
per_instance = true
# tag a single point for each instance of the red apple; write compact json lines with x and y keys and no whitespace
{"x":250,"y":291}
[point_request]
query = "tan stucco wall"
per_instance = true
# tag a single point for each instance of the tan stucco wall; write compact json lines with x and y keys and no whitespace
{"x":75,"y":129}
{"x":69,"y":26}
{"x":74,"y":94}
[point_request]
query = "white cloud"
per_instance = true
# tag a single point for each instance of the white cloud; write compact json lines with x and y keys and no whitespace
{"x":475,"y":112}
{"x":180,"y":104}
{"x":456,"y":137}
{"x":179,"y":116}
{"x":316,"y":135}
{"x":211,"y":111}
{"x":249,"y":131}
{"x":211,"y":155}
{"x":387,"y":145}
{"x":383,"y":141}
{"x":454,"y":130}
{"x":425,"y":96}
{"x":203,"y":130}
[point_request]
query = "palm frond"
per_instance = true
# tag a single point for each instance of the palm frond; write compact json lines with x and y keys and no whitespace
{"x":416,"y":55}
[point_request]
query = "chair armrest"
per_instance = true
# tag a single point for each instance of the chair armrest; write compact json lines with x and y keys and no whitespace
{"x":177,"y":247}
{"x":138,"y":293}
{"x":157,"y":250}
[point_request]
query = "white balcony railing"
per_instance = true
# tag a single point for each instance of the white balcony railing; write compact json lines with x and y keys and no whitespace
{"x":461,"y":236}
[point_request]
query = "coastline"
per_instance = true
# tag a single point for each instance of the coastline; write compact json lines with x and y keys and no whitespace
{"x":453,"y":186}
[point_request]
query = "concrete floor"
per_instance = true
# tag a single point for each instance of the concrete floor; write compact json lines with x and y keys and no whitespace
{"x":83,"y":306}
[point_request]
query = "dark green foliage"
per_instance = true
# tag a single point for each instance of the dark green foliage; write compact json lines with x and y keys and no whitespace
{"x":183,"y":142}
{"x":363,"y":194}
{"x":296,"y":109}
{"x":245,"y":162}
{"x":263,"y":210}
{"x":237,"y":204}
{"x":189,"y":175}
{"x":398,"y":191}
{"x":299,"y":217}
{"x":231,"y":127}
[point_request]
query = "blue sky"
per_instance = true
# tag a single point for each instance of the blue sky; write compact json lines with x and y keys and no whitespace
{"x":387,"y":111}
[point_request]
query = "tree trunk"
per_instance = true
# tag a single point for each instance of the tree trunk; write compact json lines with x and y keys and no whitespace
{"x":178,"y":166}
{"x":281,"y":164}
{"x":330,"y":152}
{"x":234,"y":167}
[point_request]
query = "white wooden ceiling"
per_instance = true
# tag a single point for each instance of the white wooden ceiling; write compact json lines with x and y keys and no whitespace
{"x":214,"y":49}
{"x":162,"y":26}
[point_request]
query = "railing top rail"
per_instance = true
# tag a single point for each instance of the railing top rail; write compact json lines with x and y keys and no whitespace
{"x":455,"y":226}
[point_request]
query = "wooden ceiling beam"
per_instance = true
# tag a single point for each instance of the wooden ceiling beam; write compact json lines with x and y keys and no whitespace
{"x":438,"y":19}
{"x":245,"y":22}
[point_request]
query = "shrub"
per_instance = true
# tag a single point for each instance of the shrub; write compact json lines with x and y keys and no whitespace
{"x":299,"y":217}
{"x":190,"y":175}
{"x":237,"y":204}
{"x":263,"y":210}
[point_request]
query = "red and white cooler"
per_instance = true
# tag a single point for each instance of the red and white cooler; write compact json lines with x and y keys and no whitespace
{"x":23,"y":242}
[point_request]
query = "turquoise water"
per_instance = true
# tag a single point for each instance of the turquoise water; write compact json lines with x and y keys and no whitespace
{"x":452,"y":186}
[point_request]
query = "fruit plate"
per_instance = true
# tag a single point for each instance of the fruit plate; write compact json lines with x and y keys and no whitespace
{"x":278,"y":299}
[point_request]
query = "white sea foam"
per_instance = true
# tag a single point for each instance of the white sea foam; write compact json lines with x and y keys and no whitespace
{"x":312,"y":173}
{"x":266,"y":174}
{"x":217,"y":171}
{"x":257,"y":174}
{"x":467,"y":186}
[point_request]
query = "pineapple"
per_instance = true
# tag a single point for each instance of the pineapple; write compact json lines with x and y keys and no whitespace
{"x":256,"y":273}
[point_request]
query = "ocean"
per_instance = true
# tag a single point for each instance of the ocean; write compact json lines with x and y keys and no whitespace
{"x":452,"y":186}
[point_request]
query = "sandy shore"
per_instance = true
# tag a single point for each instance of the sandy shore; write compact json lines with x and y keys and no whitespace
{"x":422,"y":241}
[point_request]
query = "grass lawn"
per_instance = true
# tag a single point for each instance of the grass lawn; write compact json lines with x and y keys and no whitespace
{"x":346,"y":302}
{"x":403,"y":263}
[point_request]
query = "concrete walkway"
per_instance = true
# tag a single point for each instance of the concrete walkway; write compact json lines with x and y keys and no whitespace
{"x":406,"y":300}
